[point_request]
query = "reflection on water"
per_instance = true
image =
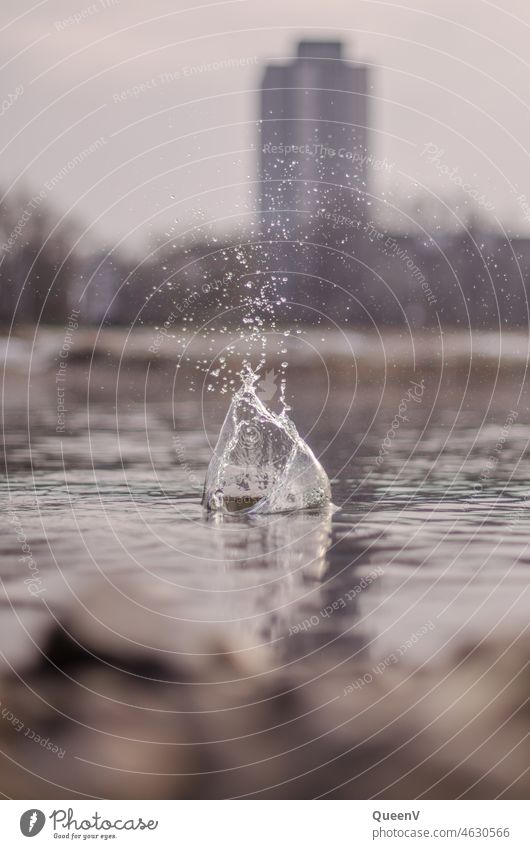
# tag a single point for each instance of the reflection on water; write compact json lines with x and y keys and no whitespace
{"x":280,"y":565}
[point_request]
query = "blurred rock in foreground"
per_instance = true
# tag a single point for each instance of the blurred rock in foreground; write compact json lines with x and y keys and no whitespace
{"x":100,"y":714}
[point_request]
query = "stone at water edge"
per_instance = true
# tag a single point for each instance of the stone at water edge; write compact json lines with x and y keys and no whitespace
{"x":261,"y":464}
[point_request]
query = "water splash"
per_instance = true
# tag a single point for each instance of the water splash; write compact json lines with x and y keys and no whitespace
{"x":260,"y":463}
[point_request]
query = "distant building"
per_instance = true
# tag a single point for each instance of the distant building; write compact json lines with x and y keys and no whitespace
{"x":313,"y":129}
{"x":313,"y":153}
{"x":319,"y":229}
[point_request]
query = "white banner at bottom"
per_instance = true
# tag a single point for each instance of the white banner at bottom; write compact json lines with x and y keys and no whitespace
{"x":265,"y":824}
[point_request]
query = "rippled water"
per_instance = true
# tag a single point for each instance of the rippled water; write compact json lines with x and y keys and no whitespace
{"x":429,"y":528}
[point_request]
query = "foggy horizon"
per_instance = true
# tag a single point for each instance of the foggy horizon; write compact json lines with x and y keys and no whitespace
{"x":182,"y":102}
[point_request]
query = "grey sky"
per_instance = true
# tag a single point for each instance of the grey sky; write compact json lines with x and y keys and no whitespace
{"x":452,"y":73}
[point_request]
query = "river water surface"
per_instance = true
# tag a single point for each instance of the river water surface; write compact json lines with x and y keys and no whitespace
{"x":425,"y":547}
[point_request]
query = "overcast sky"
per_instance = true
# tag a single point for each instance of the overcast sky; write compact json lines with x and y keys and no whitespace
{"x":452,"y":73}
